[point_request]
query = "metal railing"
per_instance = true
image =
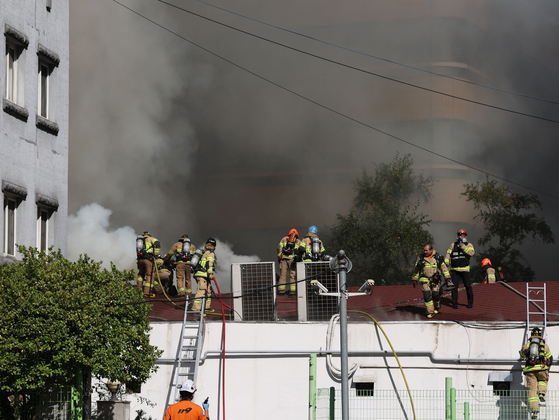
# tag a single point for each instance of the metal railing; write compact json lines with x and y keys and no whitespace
{"x":431,"y":405}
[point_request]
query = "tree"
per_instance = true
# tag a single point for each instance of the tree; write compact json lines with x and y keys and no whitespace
{"x":58,"y":316}
{"x":507,"y":220}
{"x":384,"y":229}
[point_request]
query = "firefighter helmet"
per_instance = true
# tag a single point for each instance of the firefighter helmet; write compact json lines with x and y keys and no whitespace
{"x":462,"y":232}
{"x":188,"y":386}
{"x":485,"y":262}
{"x":313,"y":229}
{"x":146,"y":233}
{"x":212,"y":242}
{"x":183,"y":237}
{"x":536,"y":331}
{"x":293,"y":231}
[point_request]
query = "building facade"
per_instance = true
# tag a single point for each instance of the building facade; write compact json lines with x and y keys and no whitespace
{"x":34,"y":125}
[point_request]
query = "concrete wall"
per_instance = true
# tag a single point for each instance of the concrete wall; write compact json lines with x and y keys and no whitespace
{"x":31,"y":155}
{"x":277,"y":385}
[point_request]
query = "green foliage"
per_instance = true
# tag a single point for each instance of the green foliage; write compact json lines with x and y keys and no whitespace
{"x":384,"y":229}
{"x":58,"y":315}
{"x":507,"y":220}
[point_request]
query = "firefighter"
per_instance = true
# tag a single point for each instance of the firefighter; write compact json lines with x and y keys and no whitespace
{"x":185,"y":409}
{"x":488,"y":270}
{"x":287,"y":251}
{"x":429,"y":270}
{"x":538,"y":359}
{"x":203,"y":274}
{"x":163,"y":279}
{"x":147,"y":247}
{"x":314,"y":249}
{"x":458,"y":260}
{"x":182,"y":251}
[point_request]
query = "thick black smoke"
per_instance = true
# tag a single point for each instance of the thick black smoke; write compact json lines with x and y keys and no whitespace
{"x":176,"y":140}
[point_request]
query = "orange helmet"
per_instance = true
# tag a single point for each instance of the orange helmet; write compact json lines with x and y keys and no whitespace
{"x":293,"y":232}
{"x":485,"y":261}
{"x":462,"y":232}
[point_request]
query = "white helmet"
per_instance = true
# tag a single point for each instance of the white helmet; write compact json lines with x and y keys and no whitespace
{"x":188,"y":386}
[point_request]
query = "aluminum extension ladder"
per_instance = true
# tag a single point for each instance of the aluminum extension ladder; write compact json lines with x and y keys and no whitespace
{"x":536,"y":309}
{"x":188,"y":350}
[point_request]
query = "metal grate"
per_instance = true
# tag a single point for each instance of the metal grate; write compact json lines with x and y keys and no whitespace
{"x":255,"y":283}
{"x":318,"y":308}
{"x":428,"y":405}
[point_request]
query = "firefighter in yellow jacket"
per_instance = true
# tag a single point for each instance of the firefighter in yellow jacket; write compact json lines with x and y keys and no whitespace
{"x":314,"y":248}
{"x":147,"y":247}
{"x":538,"y":359}
{"x":458,"y":261}
{"x":182,"y":250}
{"x":429,"y":270}
{"x":287,"y":251}
{"x":203,"y":274}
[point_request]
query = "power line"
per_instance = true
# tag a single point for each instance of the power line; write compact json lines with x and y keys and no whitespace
{"x":375,"y":56}
{"x":333,"y":110}
{"x":359,"y":69}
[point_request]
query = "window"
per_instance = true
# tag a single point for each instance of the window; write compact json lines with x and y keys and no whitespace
{"x":16,"y":43}
{"x":43,"y":217}
{"x":13,"y":196}
{"x":46,"y":206}
{"x":44,"y":88}
{"x":365,"y":389}
{"x":48,"y":61}
{"x":10,"y":206}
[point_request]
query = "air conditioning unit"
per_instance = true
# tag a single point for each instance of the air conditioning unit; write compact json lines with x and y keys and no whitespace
{"x":252,"y":286}
{"x":312,"y":307}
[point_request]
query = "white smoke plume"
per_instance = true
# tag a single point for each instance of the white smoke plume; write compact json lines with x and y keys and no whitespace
{"x":89,"y":233}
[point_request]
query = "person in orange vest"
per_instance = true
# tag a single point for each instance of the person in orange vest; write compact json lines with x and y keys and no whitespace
{"x":185,"y":409}
{"x":287,"y":250}
{"x":458,"y":260}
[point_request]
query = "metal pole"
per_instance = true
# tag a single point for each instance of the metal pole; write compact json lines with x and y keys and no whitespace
{"x":448,"y":386}
{"x":312,"y":386}
{"x":343,"y":335}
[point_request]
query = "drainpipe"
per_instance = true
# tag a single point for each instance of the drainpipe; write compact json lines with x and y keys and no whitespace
{"x":312,"y":387}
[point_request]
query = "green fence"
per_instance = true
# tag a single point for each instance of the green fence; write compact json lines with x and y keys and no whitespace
{"x":433,"y":405}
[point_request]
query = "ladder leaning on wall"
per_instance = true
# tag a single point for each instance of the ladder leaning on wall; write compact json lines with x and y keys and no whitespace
{"x":536,"y":309}
{"x":188,"y":351}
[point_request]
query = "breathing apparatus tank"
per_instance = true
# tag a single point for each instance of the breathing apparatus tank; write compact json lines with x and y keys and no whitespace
{"x":195,"y":260}
{"x":140,"y":245}
{"x":536,"y":341}
{"x":185,"y":254}
{"x":315,"y":248}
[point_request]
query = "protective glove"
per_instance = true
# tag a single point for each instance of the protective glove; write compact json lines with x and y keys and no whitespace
{"x":414,"y":283}
{"x":206,"y":404}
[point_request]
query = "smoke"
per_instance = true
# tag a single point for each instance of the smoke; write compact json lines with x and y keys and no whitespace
{"x":176,"y":140}
{"x":89,"y":234}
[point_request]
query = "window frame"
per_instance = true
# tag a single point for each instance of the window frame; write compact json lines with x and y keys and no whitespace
{"x":9,"y":240}
{"x":43,"y":93}
{"x":43,"y":228}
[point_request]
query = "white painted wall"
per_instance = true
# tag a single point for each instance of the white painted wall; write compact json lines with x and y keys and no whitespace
{"x":277,"y":386}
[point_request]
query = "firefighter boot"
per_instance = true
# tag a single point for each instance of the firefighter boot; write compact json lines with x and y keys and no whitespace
{"x":147,"y":291}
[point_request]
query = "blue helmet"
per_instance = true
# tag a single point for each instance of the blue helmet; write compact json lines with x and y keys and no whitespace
{"x":313,"y":229}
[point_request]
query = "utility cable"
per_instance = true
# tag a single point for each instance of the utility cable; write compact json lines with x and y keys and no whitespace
{"x":524,"y":114}
{"x":338,"y":112}
{"x":375,"y":56}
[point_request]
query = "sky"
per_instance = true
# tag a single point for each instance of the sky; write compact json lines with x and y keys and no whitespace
{"x":179,"y":124}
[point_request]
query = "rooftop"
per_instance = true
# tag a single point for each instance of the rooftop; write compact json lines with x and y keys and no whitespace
{"x":498,"y":302}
